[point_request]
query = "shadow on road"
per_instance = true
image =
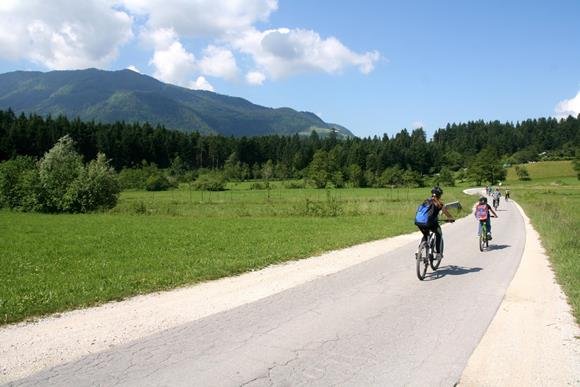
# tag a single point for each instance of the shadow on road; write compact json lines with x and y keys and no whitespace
{"x":497,"y":247}
{"x":451,"y":270}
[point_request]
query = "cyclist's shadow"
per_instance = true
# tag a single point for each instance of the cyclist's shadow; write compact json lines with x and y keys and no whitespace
{"x":451,"y":270}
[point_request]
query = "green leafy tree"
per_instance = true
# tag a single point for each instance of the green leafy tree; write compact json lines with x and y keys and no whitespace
{"x":446,"y":177}
{"x":19,"y":184}
{"x":318,"y":169}
{"x":58,"y":169}
{"x":355,"y":175}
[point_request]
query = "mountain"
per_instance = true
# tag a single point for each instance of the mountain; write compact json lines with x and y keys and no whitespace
{"x":109,"y":96}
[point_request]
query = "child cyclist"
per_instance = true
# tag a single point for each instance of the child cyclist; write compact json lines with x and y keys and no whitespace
{"x":482,"y":211}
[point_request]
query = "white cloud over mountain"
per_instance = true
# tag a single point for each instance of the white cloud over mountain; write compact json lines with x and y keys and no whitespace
{"x":69,"y":34}
{"x":63,"y":34}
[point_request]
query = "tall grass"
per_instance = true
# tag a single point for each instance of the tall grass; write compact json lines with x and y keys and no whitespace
{"x":153,"y":241}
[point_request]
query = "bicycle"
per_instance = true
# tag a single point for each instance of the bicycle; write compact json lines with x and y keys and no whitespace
{"x":425,"y":255}
{"x":495,"y":204}
{"x":483,"y":235}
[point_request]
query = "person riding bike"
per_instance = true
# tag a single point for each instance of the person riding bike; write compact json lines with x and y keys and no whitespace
{"x":482,"y":211}
{"x":496,"y":195}
{"x":435,"y":206}
{"x":507,"y":194}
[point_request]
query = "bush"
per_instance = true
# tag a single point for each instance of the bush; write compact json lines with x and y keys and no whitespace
{"x":157,"y":182}
{"x":210,"y":181}
{"x":97,"y":187}
{"x":260,"y":185}
{"x":522,"y":173}
{"x":133,"y":178}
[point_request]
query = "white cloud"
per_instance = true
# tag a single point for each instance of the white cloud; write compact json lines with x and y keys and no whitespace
{"x":202,"y":17}
{"x":173,"y":63}
{"x":568,"y":107}
{"x":68,"y":34}
{"x":133,"y":68}
{"x":201,"y":84}
{"x":218,"y":62}
{"x":255,"y":78}
{"x":283,"y":52}
{"x":63,"y":34}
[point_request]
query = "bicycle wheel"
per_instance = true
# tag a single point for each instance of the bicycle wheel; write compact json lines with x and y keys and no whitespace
{"x":482,"y":237}
{"x":422,"y":260}
{"x":436,"y":262}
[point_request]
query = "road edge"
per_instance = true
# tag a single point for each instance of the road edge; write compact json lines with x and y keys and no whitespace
{"x":533,"y":338}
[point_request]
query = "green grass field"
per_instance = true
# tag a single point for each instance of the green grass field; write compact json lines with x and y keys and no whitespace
{"x":552,"y":202}
{"x":154,"y":241}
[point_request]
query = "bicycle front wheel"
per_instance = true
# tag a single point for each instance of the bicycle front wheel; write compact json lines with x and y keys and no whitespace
{"x":422,"y":260}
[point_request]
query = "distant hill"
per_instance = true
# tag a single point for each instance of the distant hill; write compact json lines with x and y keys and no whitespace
{"x":110,"y":96}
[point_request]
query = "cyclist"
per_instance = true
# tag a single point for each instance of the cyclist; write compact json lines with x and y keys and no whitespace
{"x":482,"y":211}
{"x":507,"y":194}
{"x":435,"y":206}
{"x":496,"y":195}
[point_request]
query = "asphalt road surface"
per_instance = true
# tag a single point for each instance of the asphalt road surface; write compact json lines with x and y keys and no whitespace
{"x":371,"y":324}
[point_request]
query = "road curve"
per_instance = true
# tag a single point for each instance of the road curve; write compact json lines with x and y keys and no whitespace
{"x":371,"y":324}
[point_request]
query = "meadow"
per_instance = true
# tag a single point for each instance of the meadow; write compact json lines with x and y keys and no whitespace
{"x":155,"y":241}
{"x":161,"y":240}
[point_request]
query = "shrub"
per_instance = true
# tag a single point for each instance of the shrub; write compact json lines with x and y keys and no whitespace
{"x":157,"y":182}
{"x":133,"y":178}
{"x":210,"y":181}
{"x":97,"y":187}
{"x":522,"y":173}
{"x":260,"y":185}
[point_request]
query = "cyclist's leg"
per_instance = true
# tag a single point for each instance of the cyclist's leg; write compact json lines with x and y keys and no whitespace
{"x":438,"y":235}
{"x":425,"y":232}
{"x":488,"y":224}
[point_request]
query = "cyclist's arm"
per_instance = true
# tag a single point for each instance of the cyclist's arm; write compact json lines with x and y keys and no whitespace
{"x":447,"y":214}
{"x":492,"y":211}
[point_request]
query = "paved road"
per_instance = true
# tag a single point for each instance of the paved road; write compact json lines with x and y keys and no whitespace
{"x":372,"y":324}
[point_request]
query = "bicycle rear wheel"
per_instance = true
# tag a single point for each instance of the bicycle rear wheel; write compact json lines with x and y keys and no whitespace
{"x":422,"y":260}
{"x":482,"y":237}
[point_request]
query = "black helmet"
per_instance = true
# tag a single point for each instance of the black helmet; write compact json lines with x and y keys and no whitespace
{"x":437,"y":191}
{"x":482,"y":199}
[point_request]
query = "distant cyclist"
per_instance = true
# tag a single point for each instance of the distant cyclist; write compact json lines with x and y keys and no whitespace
{"x":482,"y":211}
{"x":496,"y":195}
{"x":507,"y":194}
{"x":436,"y":205}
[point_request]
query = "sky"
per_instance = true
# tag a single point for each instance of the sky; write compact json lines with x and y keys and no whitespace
{"x":373,"y":66}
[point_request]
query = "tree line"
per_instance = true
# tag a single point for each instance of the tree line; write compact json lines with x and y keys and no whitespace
{"x":477,"y":149}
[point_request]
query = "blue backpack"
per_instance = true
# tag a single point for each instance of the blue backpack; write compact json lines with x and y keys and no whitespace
{"x":424,"y":213}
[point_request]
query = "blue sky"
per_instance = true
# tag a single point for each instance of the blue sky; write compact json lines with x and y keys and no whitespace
{"x":373,"y":66}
